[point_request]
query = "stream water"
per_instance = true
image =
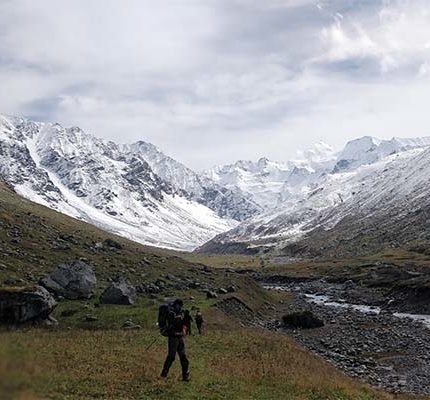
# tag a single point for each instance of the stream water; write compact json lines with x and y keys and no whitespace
{"x":366,"y":309}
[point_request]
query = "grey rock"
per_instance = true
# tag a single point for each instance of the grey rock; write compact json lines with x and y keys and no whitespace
{"x":130,"y":325}
{"x":211,"y":294}
{"x":30,"y":303}
{"x":119,"y":292}
{"x":75,"y":280}
{"x":113,"y":244}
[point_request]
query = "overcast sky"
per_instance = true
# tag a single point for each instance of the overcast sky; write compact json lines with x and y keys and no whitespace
{"x":213,"y":81}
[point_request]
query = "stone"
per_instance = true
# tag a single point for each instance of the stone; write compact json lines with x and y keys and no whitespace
{"x":75,"y":280}
{"x":113,"y":244}
{"x":211,"y":294}
{"x":119,"y":292}
{"x":130,"y":325}
{"x":222,"y":291}
{"x":13,"y":282}
{"x":303,"y":319}
{"x":152,"y":288}
{"x":231,"y":289}
{"x":23,"y":304}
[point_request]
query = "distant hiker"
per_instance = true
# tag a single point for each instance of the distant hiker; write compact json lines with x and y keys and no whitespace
{"x":171,"y":321}
{"x":188,"y":320}
{"x":199,"y":321}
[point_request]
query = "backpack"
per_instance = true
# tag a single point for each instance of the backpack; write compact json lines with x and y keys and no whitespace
{"x":163,"y":325}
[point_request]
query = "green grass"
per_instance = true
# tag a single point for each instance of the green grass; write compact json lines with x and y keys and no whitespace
{"x":227,"y":362}
{"x":99,"y":360}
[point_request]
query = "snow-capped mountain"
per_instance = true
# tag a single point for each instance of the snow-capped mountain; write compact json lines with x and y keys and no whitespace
{"x":368,"y":150}
{"x":266,"y":181}
{"x":226,"y":202}
{"x":368,"y":180}
{"x":106,"y":184}
{"x":137,"y":191}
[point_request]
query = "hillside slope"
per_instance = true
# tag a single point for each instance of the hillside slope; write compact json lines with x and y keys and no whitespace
{"x":108,"y":185}
{"x":369,"y":200}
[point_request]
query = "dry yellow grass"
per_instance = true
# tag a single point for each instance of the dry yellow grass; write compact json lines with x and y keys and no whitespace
{"x":228,"y":362}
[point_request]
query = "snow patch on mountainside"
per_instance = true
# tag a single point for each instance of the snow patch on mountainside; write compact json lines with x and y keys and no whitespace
{"x":382,"y":177}
{"x":103,"y":184}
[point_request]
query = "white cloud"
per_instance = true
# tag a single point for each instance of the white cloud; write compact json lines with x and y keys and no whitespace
{"x":398,"y":38}
{"x":214,"y":81}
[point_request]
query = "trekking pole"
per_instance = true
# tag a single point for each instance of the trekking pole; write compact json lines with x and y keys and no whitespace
{"x":151,"y":344}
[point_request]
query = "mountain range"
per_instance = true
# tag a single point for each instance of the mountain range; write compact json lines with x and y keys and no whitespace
{"x":372,"y":188}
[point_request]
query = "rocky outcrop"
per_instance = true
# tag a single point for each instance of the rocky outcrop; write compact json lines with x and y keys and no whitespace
{"x":302,"y":320}
{"x":119,"y":292}
{"x":23,"y":304}
{"x":235,"y":307}
{"x":75,"y":280}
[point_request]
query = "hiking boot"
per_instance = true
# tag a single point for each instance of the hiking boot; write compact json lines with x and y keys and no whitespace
{"x":163,"y":375}
{"x":186,"y":377}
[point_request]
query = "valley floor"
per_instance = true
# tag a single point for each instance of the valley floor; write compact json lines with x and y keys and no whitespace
{"x":228,"y":362}
{"x":89,"y":356}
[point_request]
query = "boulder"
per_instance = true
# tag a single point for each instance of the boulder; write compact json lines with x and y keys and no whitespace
{"x":75,"y":280}
{"x":303,"y":319}
{"x":23,"y":304}
{"x":113,"y":244}
{"x":130,"y":325}
{"x":119,"y":292}
{"x":211,"y":294}
{"x":231,"y":289}
{"x":152,"y":288}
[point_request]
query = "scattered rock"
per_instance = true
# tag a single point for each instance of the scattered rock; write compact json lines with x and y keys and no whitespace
{"x":222,"y":291}
{"x":13,"y":282}
{"x":130,"y":325}
{"x":211,"y":295}
{"x":237,"y":308}
{"x":119,"y":292}
{"x":231,"y":289}
{"x":75,"y":280}
{"x":113,"y":244}
{"x":152,"y":288}
{"x":50,"y":321}
{"x":23,"y":304}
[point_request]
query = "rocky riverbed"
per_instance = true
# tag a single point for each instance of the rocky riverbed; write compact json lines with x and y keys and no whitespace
{"x":362,"y":334}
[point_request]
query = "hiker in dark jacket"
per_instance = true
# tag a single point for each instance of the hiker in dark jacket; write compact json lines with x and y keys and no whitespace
{"x":176,"y":344}
{"x":188,"y":321}
{"x":199,"y":321}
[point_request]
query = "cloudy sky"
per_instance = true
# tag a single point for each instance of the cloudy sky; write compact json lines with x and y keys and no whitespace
{"x":214,"y":81}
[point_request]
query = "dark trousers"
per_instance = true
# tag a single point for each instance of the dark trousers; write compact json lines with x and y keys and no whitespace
{"x":176,"y":344}
{"x":199,"y":328}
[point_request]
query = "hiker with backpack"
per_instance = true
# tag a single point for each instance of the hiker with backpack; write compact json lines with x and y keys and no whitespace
{"x":171,"y":321}
{"x":199,"y":321}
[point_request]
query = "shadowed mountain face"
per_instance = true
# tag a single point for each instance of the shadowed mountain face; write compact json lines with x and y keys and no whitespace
{"x":120,"y":188}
